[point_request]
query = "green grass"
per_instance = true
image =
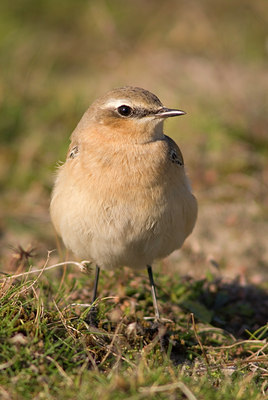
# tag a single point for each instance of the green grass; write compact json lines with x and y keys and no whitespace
{"x":49,"y":350}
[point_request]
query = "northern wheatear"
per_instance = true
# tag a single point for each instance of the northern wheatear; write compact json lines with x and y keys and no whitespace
{"x":122,"y":197}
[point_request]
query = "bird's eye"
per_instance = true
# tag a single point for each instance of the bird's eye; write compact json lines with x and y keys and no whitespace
{"x":125,"y":111}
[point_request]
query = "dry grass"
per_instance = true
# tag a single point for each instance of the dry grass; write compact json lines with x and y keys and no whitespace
{"x":212,"y":337}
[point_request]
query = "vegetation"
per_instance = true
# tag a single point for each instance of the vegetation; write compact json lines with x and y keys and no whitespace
{"x":49,"y":349}
{"x":207,"y":58}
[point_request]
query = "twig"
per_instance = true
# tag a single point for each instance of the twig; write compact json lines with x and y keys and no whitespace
{"x":34,"y":282}
{"x":61,"y":370}
{"x":257,"y":352}
{"x":198,"y":339}
{"x":63,"y":320}
{"x":80,"y":265}
{"x":256,"y":342}
{"x":172,"y":386}
{"x":110,"y":346}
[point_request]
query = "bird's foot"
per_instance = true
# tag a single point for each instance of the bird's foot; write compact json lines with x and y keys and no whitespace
{"x":92,"y":316}
{"x":160,"y":328}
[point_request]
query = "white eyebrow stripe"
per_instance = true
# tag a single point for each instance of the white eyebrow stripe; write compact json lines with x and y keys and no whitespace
{"x":117,"y":103}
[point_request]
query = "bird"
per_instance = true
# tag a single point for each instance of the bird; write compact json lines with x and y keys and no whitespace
{"x":122,"y":197}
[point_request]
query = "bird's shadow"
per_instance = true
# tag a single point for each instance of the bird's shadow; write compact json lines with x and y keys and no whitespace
{"x":237,"y":310}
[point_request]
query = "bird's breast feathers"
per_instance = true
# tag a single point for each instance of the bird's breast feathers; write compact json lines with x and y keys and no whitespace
{"x":132,"y":200}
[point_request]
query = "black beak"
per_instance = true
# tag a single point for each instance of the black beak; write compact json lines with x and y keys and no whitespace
{"x":168,"y":112}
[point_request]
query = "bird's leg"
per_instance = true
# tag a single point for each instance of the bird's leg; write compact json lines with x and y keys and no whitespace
{"x":158,"y":324}
{"x":91,"y":317}
{"x":156,"y":310}
{"x":97,"y":273}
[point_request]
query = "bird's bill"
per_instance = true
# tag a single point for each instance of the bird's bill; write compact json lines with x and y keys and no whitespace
{"x":169,"y":112}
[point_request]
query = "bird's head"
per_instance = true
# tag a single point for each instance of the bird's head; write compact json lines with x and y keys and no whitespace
{"x":130,"y":112}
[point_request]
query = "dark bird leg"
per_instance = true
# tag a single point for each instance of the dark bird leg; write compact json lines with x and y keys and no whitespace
{"x":91,"y":317}
{"x":158,"y":324}
{"x":95,"y":289}
{"x":156,"y":310}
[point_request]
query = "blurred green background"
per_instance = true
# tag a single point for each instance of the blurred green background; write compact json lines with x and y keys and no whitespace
{"x":208,"y":58}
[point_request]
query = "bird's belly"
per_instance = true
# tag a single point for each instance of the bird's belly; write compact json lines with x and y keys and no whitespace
{"x":129,"y":218}
{"x":133,"y":230}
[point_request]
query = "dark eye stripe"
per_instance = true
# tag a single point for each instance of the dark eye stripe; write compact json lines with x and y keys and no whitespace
{"x":139,"y":112}
{"x":142,"y":112}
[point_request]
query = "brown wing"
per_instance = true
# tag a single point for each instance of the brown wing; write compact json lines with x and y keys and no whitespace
{"x":73,"y":151}
{"x":174,"y":152}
